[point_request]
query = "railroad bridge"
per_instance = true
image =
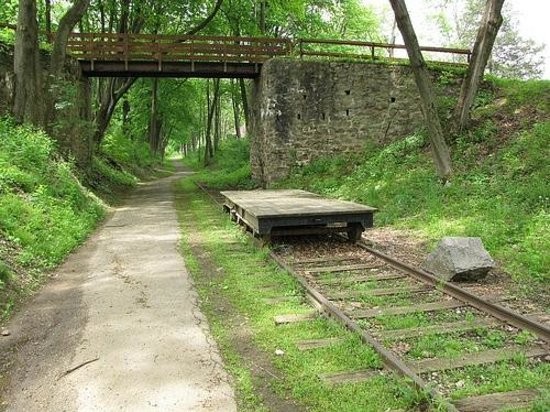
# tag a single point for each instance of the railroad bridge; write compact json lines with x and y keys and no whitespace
{"x":323,"y":98}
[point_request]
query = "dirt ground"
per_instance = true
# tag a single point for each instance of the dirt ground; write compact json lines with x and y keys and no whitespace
{"x":118,"y":326}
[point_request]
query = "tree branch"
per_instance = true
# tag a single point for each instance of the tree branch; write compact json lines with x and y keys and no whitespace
{"x":207,"y":20}
{"x":66,"y":25}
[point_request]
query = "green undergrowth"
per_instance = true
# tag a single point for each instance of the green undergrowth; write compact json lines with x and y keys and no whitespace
{"x":499,"y":190}
{"x":44,"y":209}
{"x":242,"y":275}
{"x":230,"y":167}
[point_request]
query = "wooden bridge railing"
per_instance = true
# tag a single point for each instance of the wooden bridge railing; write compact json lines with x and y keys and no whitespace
{"x":173,"y":48}
{"x":311,"y":47}
{"x":170,"y":48}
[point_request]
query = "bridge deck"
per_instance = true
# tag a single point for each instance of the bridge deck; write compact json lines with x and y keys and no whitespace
{"x":286,"y":212}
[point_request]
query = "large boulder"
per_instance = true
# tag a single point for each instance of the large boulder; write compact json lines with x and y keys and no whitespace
{"x":459,"y":258}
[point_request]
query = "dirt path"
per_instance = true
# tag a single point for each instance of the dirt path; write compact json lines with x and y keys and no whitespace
{"x":126,"y":300}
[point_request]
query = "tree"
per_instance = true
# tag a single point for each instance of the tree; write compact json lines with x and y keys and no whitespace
{"x":439,"y":148}
{"x":513,"y":56}
{"x":486,"y":35}
{"x":29,"y":95}
{"x":64,"y":29}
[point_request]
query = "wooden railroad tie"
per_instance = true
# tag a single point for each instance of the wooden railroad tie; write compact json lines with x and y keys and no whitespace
{"x":339,"y":378}
{"x":494,"y":401}
{"x":442,"y":328}
{"x":379,"y":292}
{"x":295,"y":317}
{"x":477,"y":358}
{"x":310,"y":344}
{"x":339,"y":280}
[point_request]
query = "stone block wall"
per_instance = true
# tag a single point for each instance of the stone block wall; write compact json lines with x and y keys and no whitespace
{"x":303,"y":110}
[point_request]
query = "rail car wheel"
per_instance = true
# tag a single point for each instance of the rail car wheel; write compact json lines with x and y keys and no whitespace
{"x":354,"y":232}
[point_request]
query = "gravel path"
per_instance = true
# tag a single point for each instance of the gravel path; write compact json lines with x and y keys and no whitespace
{"x":124,"y":302}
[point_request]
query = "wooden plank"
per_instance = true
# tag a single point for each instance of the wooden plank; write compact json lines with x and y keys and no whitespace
{"x":343,"y":295}
{"x":442,"y":328}
{"x":277,"y":203}
{"x":323,"y":260}
{"x":279,"y":299}
{"x":494,"y":402}
{"x":343,"y":268}
{"x":309,"y":344}
{"x":403,"y":310}
{"x":348,"y":377}
{"x":478,"y":358}
{"x":360,"y":278}
{"x":295,"y":317}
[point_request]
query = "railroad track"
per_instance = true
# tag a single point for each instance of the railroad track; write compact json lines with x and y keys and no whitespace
{"x":397,"y":309}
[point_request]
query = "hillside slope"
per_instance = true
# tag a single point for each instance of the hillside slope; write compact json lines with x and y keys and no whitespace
{"x":499,"y":192}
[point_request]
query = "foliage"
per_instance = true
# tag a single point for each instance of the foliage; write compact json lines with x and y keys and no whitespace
{"x":43,"y":207}
{"x":230,"y":167}
{"x":513,"y":55}
{"x":499,"y":192}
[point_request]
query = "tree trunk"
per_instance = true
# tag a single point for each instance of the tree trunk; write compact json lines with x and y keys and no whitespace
{"x":439,"y":148}
{"x":48,"y":15}
{"x":126,"y":117}
{"x":262,"y":16}
{"x":244,"y":100}
{"x":483,"y":46}
{"x":236,"y":111}
{"x":29,"y":98}
{"x":66,"y":25}
{"x":208,"y":147}
{"x":110,"y":92}
{"x":155,"y":121}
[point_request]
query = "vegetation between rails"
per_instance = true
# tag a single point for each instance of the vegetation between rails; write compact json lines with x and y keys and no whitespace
{"x":245,"y":278}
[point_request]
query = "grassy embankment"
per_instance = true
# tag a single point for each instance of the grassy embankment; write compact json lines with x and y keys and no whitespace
{"x":46,"y":210}
{"x":499,"y":192}
{"x":500,"y":189}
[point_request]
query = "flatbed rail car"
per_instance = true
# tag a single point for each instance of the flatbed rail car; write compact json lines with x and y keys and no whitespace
{"x":268,"y":213}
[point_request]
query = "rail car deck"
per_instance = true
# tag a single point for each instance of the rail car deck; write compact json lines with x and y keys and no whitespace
{"x":294,"y":212}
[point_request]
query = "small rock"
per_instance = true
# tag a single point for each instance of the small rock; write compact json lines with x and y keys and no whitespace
{"x":5,"y":332}
{"x":279,"y":352}
{"x":460,"y":384}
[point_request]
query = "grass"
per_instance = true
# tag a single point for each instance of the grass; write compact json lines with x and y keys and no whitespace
{"x":245,"y":278}
{"x":230,"y":167}
{"x":501,"y":197}
{"x":45,"y":211}
{"x":43,"y":207}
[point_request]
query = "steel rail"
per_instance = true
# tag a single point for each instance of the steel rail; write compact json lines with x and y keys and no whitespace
{"x":388,"y":358}
{"x":494,"y":309}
